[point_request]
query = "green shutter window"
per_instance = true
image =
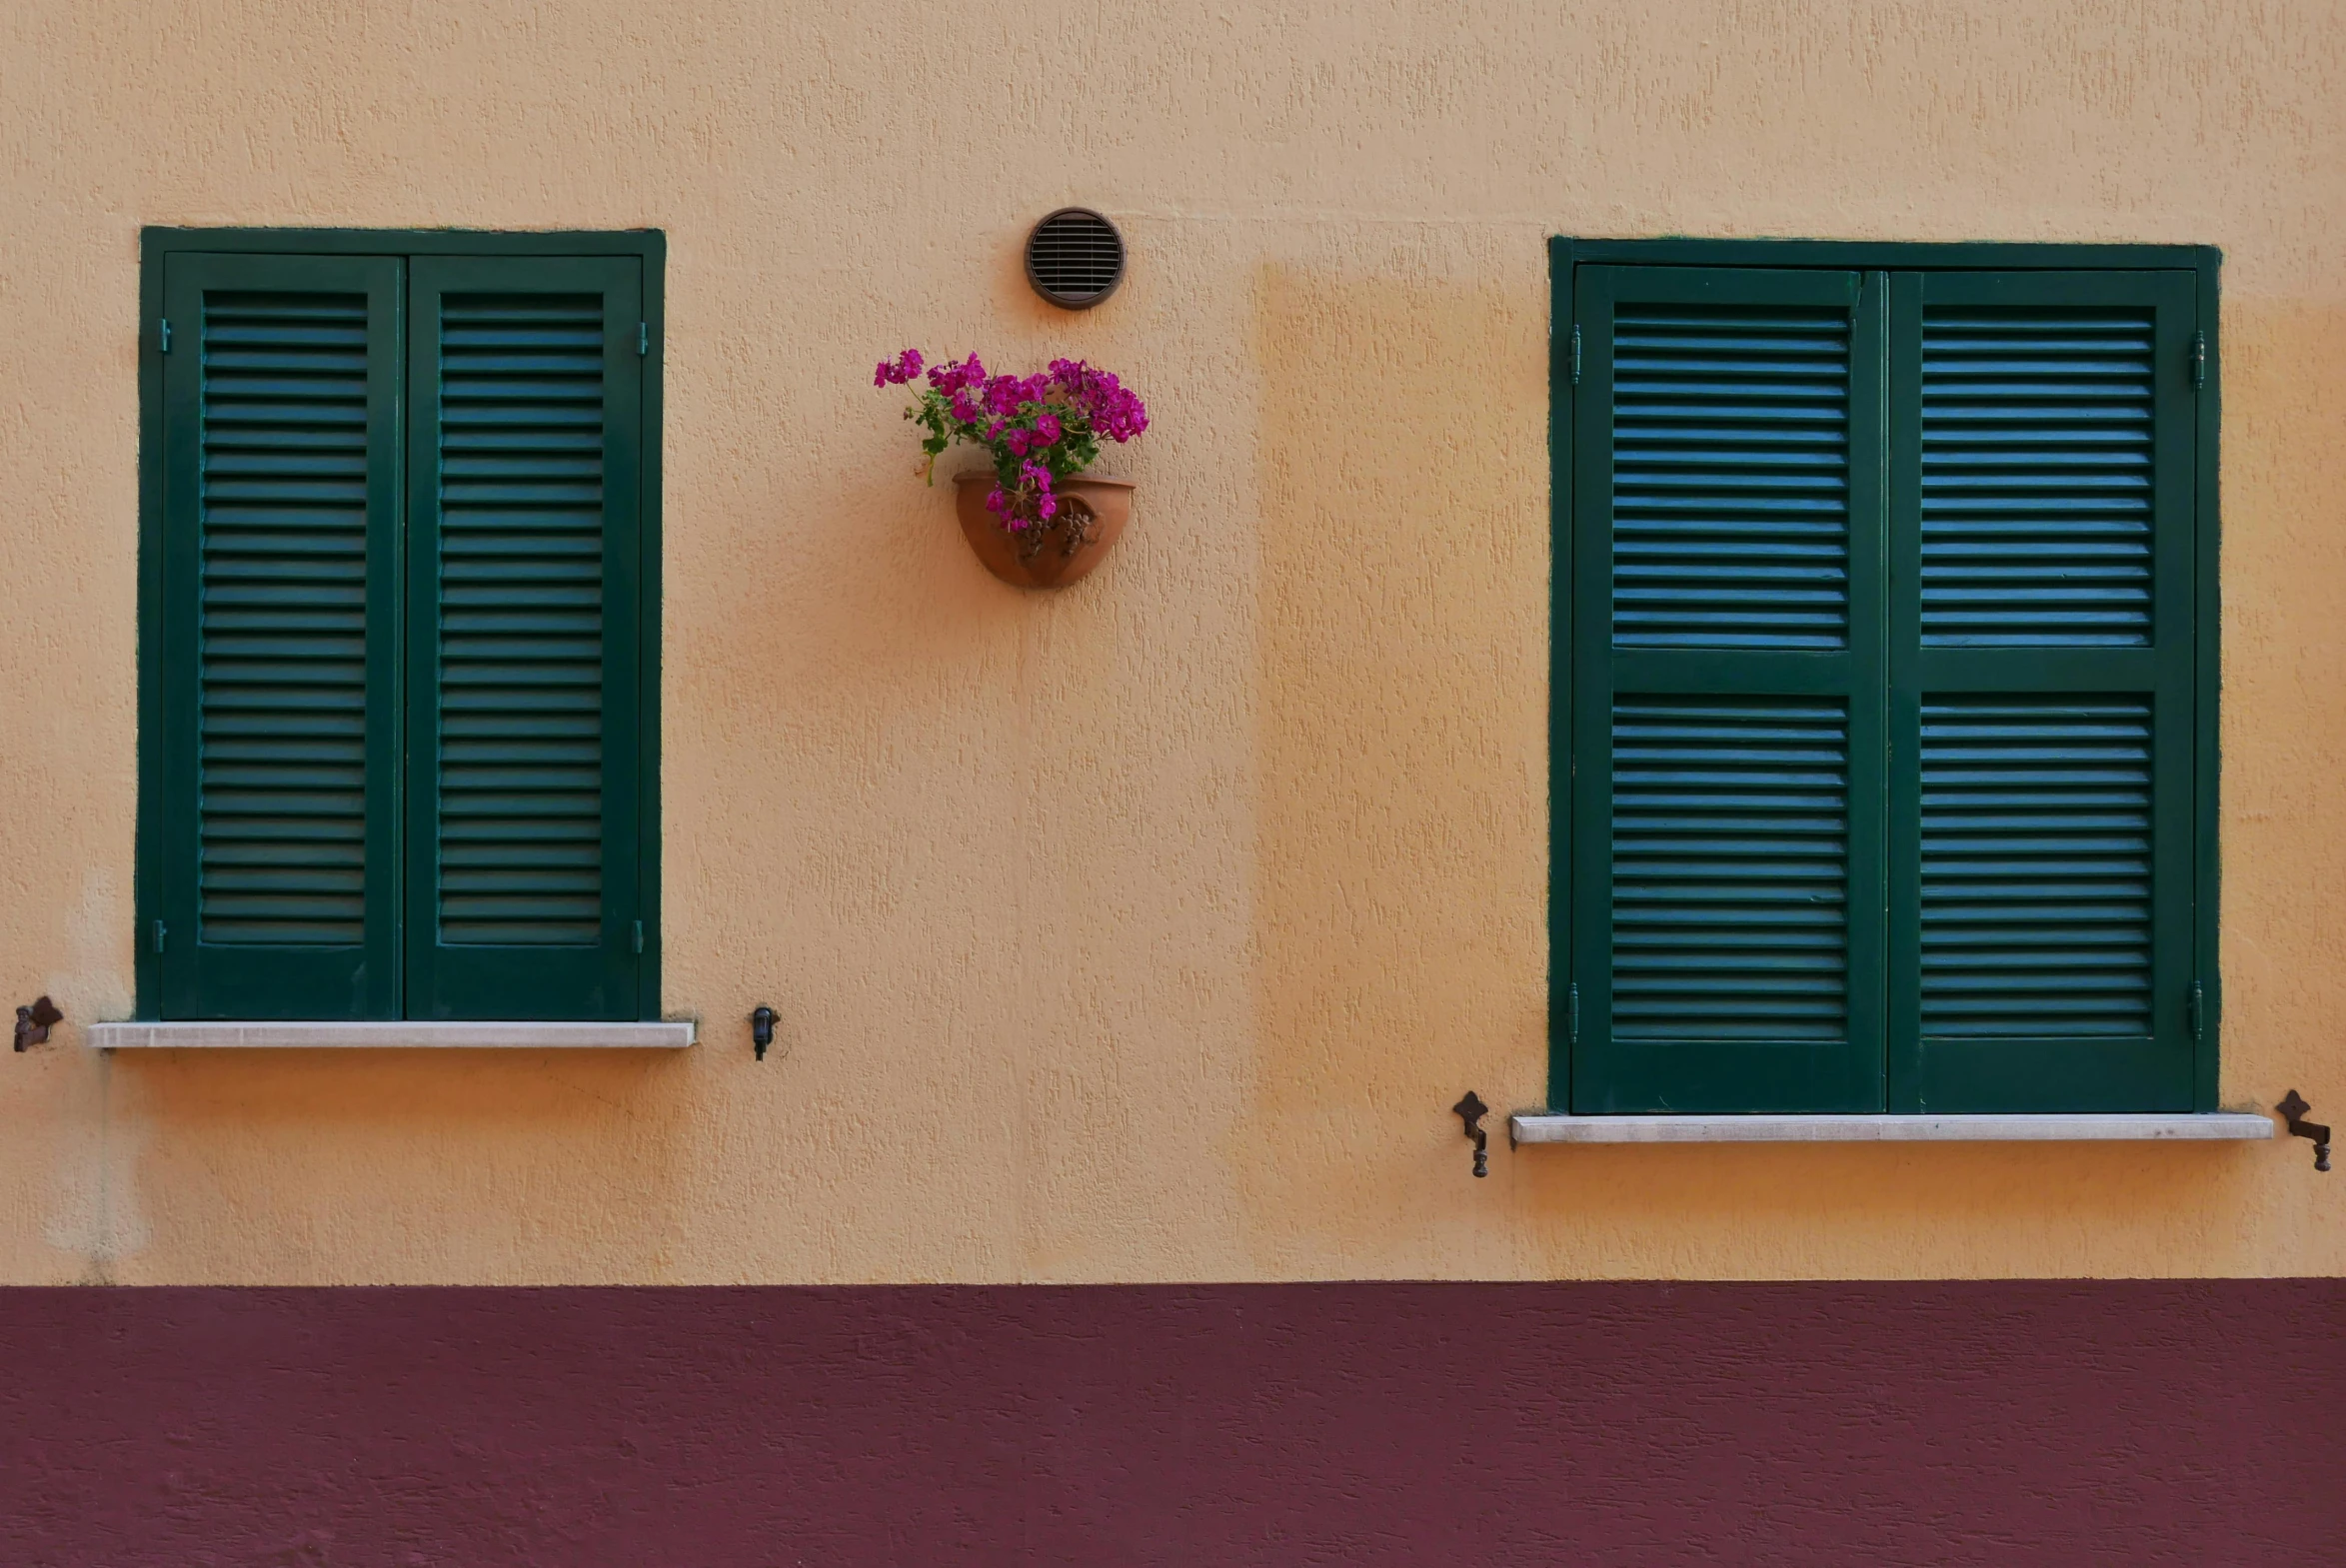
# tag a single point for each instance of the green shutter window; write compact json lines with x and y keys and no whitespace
{"x":278,"y":883}
{"x":395,"y":628}
{"x":1883,"y":658}
{"x":525,"y":464}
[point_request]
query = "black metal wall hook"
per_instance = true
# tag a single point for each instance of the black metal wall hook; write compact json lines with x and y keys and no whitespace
{"x":2293,"y":1109}
{"x":32,"y":1023}
{"x":762,"y":1030}
{"x":1472,"y":1110}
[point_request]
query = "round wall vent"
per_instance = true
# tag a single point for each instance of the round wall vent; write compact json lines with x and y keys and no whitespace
{"x":1075,"y":258}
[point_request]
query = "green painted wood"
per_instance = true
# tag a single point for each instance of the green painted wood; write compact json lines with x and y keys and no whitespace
{"x":1726,"y":818}
{"x":1893,"y":255}
{"x":649,"y":245}
{"x":2207,"y":630}
{"x":2042,"y":691}
{"x":1562,"y":396}
{"x":278,"y":610}
{"x":2052,"y":746}
{"x":2035,"y":495}
{"x":652,"y":394}
{"x":147,"y":880}
{"x":2048,"y":680}
{"x":1902,"y":1042}
{"x":525,"y":651}
{"x":167,"y":765}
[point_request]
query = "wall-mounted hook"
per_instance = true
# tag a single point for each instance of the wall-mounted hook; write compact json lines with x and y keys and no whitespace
{"x":1472,"y":1110}
{"x":2293,"y":1109}
{"x":32,"y":1023}
{"x":762,"y":1030}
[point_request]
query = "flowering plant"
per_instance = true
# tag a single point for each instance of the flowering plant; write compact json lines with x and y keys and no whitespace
{"x":1039,"y":428}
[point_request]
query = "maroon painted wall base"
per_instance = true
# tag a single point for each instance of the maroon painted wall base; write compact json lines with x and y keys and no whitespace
{"x":2192,"y":1423}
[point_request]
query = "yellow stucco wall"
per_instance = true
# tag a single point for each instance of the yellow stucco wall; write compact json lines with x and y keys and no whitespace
{"x":1149,"y":930}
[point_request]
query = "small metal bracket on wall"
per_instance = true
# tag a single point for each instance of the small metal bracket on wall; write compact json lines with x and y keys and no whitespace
{"x":2293,"y":1109}
{"x":33,"y":1022}
{"x":1472,"y":1110}
{"x":762,"y":1030}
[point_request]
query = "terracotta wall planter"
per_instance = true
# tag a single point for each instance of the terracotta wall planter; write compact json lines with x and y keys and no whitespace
{"x":1091,"y":516}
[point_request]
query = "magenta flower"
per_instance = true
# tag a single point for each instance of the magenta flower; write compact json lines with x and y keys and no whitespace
{"x":950,"y":379}
{"x":1039,"y":429}
{"x":1034,"y":491}
{"x":896,"y":372}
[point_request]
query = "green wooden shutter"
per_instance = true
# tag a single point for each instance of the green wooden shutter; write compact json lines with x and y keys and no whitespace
{"x":2041,"y":691}
{"x":277,"y":886}
{"x":524,"y":639}
{"x":1727,"y":789}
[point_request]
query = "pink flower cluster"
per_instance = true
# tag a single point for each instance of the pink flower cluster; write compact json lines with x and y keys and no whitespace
{"x":896,"y":372}
{"x":1115,"y":411}
{"x":1040,"y":429}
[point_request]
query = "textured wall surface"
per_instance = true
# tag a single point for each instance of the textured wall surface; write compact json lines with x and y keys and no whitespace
{"x":1142,"y":933}
{"x":2166,"y":1424}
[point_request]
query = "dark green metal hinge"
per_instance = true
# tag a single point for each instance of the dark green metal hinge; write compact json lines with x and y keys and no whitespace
{"x":2198,"y":1011}
{"x":642,"y":339}
{"x":2199,"y":358}
{"x":1572,"y":1015}
{"x":1575,"y":356}
{"x":163,"y":336}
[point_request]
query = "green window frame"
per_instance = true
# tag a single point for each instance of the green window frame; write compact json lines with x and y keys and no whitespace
{"x":1883,"y":700}
{"x":398,"y":628}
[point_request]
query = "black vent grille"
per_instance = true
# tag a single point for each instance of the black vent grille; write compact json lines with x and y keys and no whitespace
{"x":1075,"y":258}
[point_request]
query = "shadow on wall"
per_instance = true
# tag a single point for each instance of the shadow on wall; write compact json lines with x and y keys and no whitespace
{"x":1400,"y":881}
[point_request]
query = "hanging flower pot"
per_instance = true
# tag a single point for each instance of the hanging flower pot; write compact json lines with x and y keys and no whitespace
{"x":1092,"y":515}
{"x":1034,"y":518}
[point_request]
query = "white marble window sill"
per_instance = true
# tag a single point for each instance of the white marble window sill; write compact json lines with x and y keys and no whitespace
{"x":666,"y":1034}
{"x":2192,"y":1126}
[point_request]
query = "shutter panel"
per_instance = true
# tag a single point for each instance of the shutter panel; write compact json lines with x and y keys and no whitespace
{"x":2035,"y":498}
{"x":1731,"y":864}
{"x":525,"y":648}
{"x":277,"y":873}
{"x":2042,"y":692}
{"x":1727,"y":783}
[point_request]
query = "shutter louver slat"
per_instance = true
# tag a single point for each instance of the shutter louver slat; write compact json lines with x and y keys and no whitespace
{"x":2036,"y":477}
{"x":1729,"y":869}
{"x":520,"y":514}
{"x":282,"y":732}
{"x":2036,"y":867}
{"x":1730,"y":509}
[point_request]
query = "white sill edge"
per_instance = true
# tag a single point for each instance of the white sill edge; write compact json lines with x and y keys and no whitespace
{"x":2093,"y":1127}
{"x":666,"y":1034}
